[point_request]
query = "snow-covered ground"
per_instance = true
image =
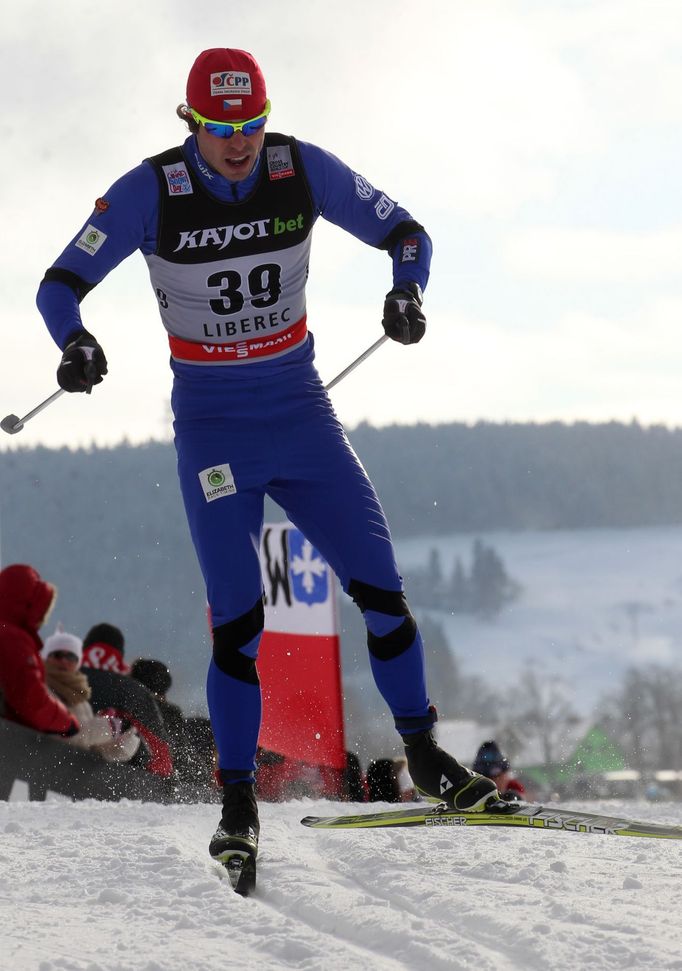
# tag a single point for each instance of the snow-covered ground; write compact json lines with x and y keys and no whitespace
{"x":129,"y":887}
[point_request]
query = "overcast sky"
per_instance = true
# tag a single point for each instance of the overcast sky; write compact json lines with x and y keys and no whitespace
{"x":537,"y":140}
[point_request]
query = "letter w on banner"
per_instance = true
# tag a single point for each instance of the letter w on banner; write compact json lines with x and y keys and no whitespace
{"x":298,"y":660}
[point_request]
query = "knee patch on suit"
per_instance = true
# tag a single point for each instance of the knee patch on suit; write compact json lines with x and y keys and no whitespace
{"x":394,"y":604}
{"x":367,"y":597}
{"x":394,"y":644}
{"x":228,"y":639}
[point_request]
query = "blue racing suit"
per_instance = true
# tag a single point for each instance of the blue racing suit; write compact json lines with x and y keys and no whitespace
{"x":228,"y":262}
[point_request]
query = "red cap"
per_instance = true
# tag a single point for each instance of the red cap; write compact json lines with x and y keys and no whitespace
{"x":226,"y":85}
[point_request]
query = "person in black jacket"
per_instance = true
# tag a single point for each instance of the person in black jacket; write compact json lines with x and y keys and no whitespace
{"x":119,"y":696}
{"x":493,"y":763}
{"x":156,"y":677}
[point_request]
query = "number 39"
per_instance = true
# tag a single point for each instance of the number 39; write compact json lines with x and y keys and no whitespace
{"x":263,"y":286}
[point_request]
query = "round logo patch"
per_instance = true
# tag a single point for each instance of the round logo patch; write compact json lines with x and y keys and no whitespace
{"x":216,"y":478}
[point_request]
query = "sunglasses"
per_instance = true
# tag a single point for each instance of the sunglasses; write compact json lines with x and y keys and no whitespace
{"x":222,"y":129}
{"x":63,"y":656}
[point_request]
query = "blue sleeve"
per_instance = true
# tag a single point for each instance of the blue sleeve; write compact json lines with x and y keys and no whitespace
{"x":348,"y":200}
{"x":123,"y":220}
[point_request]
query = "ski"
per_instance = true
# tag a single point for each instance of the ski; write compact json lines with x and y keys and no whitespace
{"x":237,"y":854}
{"x":530,"y":815}
{"x":241,"y":870}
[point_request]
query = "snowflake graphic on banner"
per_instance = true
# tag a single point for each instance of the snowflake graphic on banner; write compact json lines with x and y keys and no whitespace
{"x":307,"y":569}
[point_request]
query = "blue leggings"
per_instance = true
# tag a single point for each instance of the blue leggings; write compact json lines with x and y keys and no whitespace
{"x":280,"y":437}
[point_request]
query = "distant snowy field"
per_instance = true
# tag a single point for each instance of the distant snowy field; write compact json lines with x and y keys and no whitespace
{"x":130,"y":887}
{"x":595,"y":603}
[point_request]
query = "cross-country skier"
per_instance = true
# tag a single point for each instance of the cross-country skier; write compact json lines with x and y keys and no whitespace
{"x":224,"y":222}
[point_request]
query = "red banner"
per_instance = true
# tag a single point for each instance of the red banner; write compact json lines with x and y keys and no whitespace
{"x":298,"y":663}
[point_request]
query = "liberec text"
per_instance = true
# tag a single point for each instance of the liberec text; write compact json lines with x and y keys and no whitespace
{"x":247,"y":325}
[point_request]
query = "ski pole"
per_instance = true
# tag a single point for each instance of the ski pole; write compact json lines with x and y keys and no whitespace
{"x":351,"y":367}
{"x":12,"y":424}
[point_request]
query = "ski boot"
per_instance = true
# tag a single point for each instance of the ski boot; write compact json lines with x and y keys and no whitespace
{"x":440,"y":778}
{"x":235,"y":842}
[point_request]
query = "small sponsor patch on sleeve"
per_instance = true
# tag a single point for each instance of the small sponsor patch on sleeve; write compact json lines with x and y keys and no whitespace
{"x":384,"y":207}
{"x":91,"y":239}
{"x":410,"y":250}
{"x":217,"y":482}
{"x":363,"y":188}
{"x":280,"y":165}
{"x":178,"y":180}
{"x":101,"y":205}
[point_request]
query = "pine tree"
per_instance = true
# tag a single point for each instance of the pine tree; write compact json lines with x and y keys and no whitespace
{"x":458,"y":593}
{"x":491,"y":586}
{"x":434,"y":580}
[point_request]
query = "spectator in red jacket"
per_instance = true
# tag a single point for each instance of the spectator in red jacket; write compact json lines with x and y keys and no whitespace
{"x":25,"y":602}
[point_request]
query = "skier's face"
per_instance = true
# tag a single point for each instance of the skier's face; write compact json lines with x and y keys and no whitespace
{"x":234,"y":157}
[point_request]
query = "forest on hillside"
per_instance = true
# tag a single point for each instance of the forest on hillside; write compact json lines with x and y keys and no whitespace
{"x":431,"y":479}
{"x":483,"y":477}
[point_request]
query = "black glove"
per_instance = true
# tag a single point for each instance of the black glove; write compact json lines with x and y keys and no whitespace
{"x":83,"y":363}
{"x":403,"y":318}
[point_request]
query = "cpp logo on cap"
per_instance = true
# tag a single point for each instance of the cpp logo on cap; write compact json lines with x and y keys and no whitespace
{"x":230,"y":82}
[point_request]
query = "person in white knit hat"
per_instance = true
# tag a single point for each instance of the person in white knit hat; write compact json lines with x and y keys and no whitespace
{"x":63,"y":647}
{"x":62,"y":653}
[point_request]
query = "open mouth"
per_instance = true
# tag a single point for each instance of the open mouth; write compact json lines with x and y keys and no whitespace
{"x":236,"y":163}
